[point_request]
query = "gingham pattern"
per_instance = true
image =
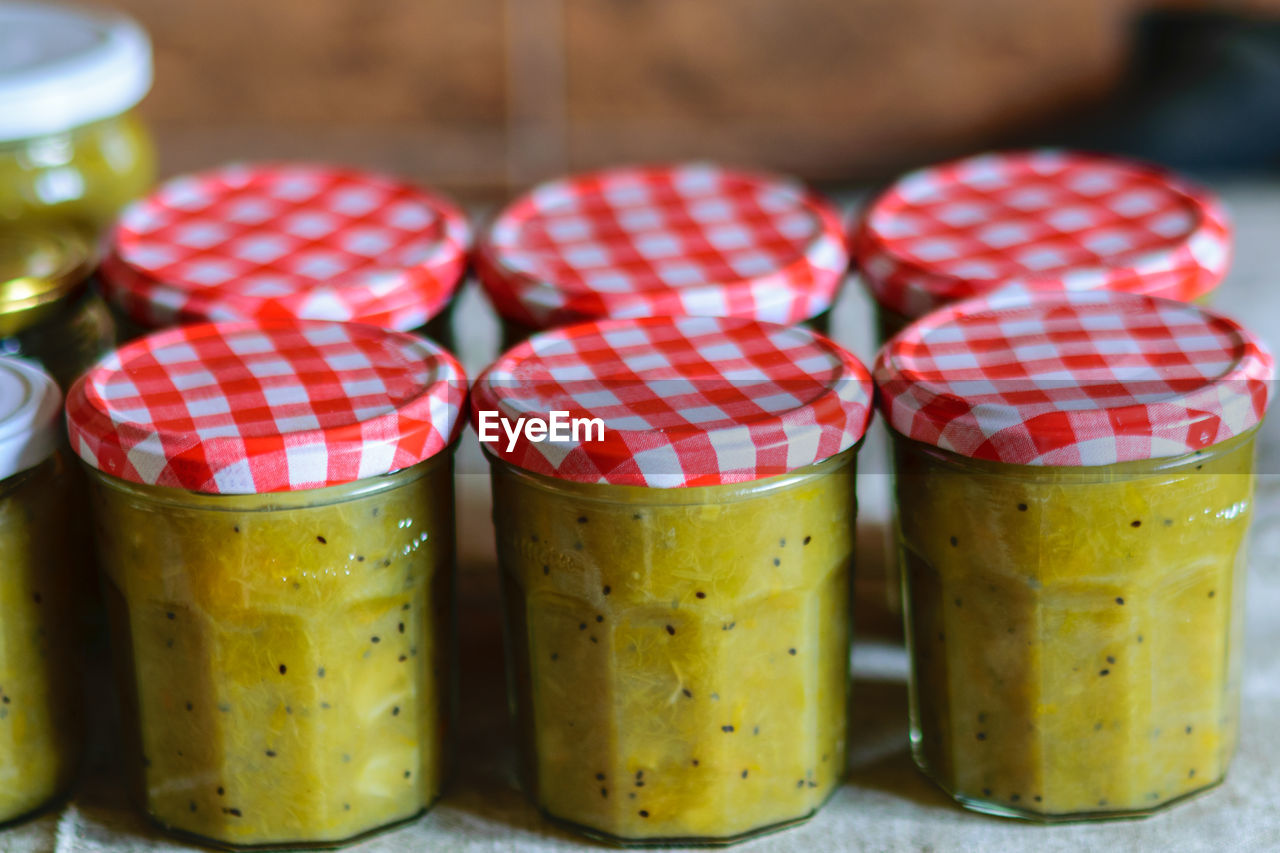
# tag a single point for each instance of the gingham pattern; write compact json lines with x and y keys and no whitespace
{"x":250,"y":408}
{"x":693,"y":401}
{"x":1073,"y":378}
{"x":269,"y":241}
{"x":678,"y":240}
{"x":1040,"y":219}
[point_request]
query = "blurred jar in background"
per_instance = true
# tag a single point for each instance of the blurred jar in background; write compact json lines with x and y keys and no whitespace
{"x":287,"y":240}
{"x":40,"y":723}
{"x":1044,"y":219}
{"x":71,"y":147}
{"x":690,"y":239}
{"x":48,"y":311}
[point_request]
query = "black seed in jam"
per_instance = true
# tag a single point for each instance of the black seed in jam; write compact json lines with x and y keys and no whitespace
{"x":283,"y":669}
{"x":599,"y":777}
{"x":1013,"y":798}
{"x":782,"y":543}
{"x":190,"y":706}
{"x":346,"y":759}
{"x":232,"y":812}
{"x":170,"y":614}
{"x":533,"y":537}
{"x":320,"y":672}
{"x":636,"y":516}
{"x":322,"y":540}
{"x":271,"y":753}
{"x":224,"y":707}
{"x":1212,"y":593}
{"x":359,"y":558}
{"x":375,"y":639}
{"x":577,"y":546}
{"x":1110,"y":659}
{"x":1105,"y":672}
{"x":700,"y":594}
{"x":744,"y":774}
{"x":604,"y":792}
{"x":593,"y":639}
{"x":1139,"y":638}
{"x":582,"y":626}
{"x":1038,"y":798}
{"x":395,"y":712}
{"x":599,"y":618}
{"x":986,"y":792}
{"x":400,"y":627}
{"x":687,"y":692}
{"x":555,"y":656}
{"x":1191,"y":773}
{"x":608,"y":589}
{"x":756,"y":730}
{"x":1022,"y":507}
{"x":405,"y":606}
{"x":799,"y":783}
{"x":402,"y":658}
{"x":695,"y":762}
{"x":982,"y":735}
{"x":959,"y":602}
{"x":346,"y":807}
{"x":1119,"y":600}
{"x":777,"y":562}
{"x":1188,"y":729}
{"x":236,"y":528}
{"x":728,"y":626}
{"x":791,"y":652}
{"x":1135,"y":523}
{"x":221,"y":790}
{"x":671,"y":630}
{"x":192,"y":805}
{"x":808,"y":539}
{"x":407,"y":774}
{"x":727,"y":729}
{"x":955,"y":542}
{"x":582,"y":519}
{"x":546,"y":570}
{"x":1168,"y":522}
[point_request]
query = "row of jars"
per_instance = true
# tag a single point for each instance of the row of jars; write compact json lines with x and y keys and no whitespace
{"x":273,"y":516}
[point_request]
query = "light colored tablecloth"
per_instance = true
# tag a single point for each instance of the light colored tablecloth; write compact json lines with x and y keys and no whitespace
{"x":886,"y":805}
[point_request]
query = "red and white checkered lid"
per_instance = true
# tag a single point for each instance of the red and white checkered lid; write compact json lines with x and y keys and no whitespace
{"x":1044,"y":218}
{"x":268,"y":241}
{"x":685,"y":401}
{"x":277,"y":406}
{"x":689,"y":239}
{"x":1073,"y":378}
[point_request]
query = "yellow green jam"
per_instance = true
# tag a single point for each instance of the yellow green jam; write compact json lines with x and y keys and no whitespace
{"x":40,"y":700}
{"x":679,"y":657}
{"x":284,"y":656}
{"x":1075,"y":632}
{"x":83,"y":177}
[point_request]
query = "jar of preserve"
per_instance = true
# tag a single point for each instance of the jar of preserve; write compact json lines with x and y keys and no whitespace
{"x":689,"y":239}
{"x":40,"y":726}
{"x":676,"y":577}
{"x":48,"y":310}
{"x":1075,"y":476}
{"x":72,"y":148}
{"x":1043,"y":218}
{"x":280,"y":240}
{"x":273,"y":509}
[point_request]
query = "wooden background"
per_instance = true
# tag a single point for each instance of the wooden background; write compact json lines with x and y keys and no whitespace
{"x":482,"y":96}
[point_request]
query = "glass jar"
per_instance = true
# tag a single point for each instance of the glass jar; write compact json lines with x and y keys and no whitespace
{"x":41,"y":730}
{"x":1096,"y":619}
{"x":1075,"y":630}
{"x":264,"y":241}
{"x":678,"y":654}
{"x":284,"y":655}
{"x":686,"y":239}
{"x":49,"y":311}
{"x":72,"y":148}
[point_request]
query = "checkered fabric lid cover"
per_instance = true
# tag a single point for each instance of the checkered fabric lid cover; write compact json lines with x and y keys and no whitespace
{"x":278,"y":406}
{"x":1042,"y":218}
{"x":265,"y":241}
{"x":688,"y":401}
{"x":1073,"y":378}
{"x":681,"y":240}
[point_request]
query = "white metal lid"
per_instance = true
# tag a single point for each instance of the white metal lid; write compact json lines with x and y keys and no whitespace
{"x":64,"y":66}
{"x":30,"y":404}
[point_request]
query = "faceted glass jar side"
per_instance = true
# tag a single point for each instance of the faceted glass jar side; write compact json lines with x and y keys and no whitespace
{"x":678,"y":658}
{"x":284,"y":658}
{"x":83,"y":176}
{"x":1075,"y":633}
{"x":41,"y":730}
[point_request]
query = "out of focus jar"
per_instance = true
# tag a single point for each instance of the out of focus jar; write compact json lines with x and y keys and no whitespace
{"x":690,"y":239}
{"x":71,"y":148}
{"x":1034,"y":219}
{"x":287,"y":240}
{"x":48,"y":310}
{"x":40,"y":724}
{"x":273,"y":506}
{"x":1075,"y":477}
{"x":676,"y":593}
